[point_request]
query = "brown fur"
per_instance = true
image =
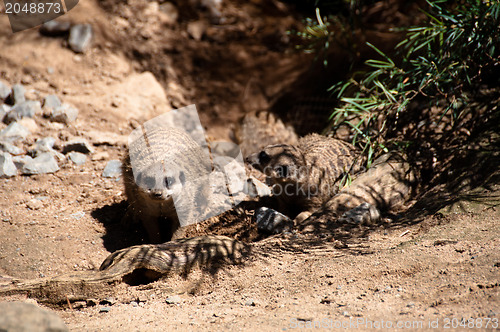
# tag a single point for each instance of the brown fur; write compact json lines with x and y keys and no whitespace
{"x":307,"y":175}
{"x":164,"y":155}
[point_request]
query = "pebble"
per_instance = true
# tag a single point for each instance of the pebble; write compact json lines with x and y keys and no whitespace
{"x":108,"y":301}
{"x":20,"y":161}
{"x":170,"y":12}
{"x":17,"y":94}
{"x":105,"y":309}
{"x":250,"y":303}
{"x":174,"y":299}
{"x":45,"y":145}
{"x":77,"y":158}
{"x":101,"y":155}
{"x":55,"y":28}
{"x":51,"y":102}
{"x":4,"y":109}
{"x":113,"y":169}
{"x":5,"y":91}
{"x":80,"y":37}
{"x":23,"y":109}
{"x":78,"y":215}
{"x":255,"y":188}
{"x":10,"y":148}
{"x":196,"y":29}
{"x":30,"y":124}
{"x":22,"y":316}
{"x":78,"y":145}
{"x":7,"y":166}
{"x":34,"y":204}
{"x":43,"y":164}
{"x":64,"y":114}
{"x":14,"y":132}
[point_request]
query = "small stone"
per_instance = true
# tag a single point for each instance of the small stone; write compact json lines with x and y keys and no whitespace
{"x":17,"y":94}
{"x":255,"y":188}
{"x":80,"y":37}
{"x":78,"y":145}
{"x":108,"y":301}
{"x":91,"y":302}
{"x":64,"y":114}
{"x":45,"y":145}
{"x":10,"y":148}
{"x":101,"y":155}
{"x":250,"y":303}
{"x":168,"y":13}
{"x":77,"y":157}
{"x":77,"y":215}
{"x":50,"y":70}
{"x":14,"y":132}
{"x":23,"y":109}
{"x":43,"y":164}
{"x":54,"y":28}
{"x":174,"y":299}
{"x":134,"y":304}
{"x":34,"y":204}
{"x":99,"y":137}
{"x":4,"y":109}
{"x":30,"y":124}
{"x":7,"y":166}
{"x":51,"y":102}
{"x":20,"y":161}
{"x":269,"y":220}
{"x":105,"y":309}
{"x":196,"y":29}
{"x":113,"y":169}
{"x":5,"y":91}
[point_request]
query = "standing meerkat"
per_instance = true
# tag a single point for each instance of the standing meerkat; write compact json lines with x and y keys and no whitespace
{"x":307,"y":175}
{"x":164,"y":174}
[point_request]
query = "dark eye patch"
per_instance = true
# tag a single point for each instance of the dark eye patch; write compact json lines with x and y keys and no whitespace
{"x":148,"y":182}
{"x":169,"y":181}
{"x":264,"y":157}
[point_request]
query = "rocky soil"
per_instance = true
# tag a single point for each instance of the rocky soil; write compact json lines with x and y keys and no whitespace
{"x":67,"y":107}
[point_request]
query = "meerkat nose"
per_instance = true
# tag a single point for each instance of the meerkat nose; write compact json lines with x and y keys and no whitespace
{"x":157,"y":193}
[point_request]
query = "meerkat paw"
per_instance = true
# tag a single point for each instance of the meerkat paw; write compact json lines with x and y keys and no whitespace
{"x":271,"y":221}
{"x":364,"y":213}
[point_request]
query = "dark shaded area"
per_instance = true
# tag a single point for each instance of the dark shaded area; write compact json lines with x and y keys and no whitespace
{"x":118,"y":235}
{"x":143,"y":264}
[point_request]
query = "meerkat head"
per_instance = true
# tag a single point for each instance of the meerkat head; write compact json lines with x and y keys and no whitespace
{"x":281,"y":162}
{"x":160,"y":182}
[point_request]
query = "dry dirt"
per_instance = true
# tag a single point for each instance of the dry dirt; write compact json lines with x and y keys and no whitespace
{"x":420,"y":268}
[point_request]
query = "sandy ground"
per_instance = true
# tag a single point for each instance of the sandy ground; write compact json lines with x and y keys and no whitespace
{"x":420,"y":270}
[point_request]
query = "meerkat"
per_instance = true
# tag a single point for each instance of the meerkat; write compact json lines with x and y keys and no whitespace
{"x":305,"y":176}
{"x":163,"y":173}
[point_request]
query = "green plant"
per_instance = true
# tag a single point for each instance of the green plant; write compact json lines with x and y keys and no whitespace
{"x":443,"y":60}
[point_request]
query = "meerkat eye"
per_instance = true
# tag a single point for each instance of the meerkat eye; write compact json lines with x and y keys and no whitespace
{"x":282,"y":171}
{"x":264,"y":157}
{"x":169,"y":181}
